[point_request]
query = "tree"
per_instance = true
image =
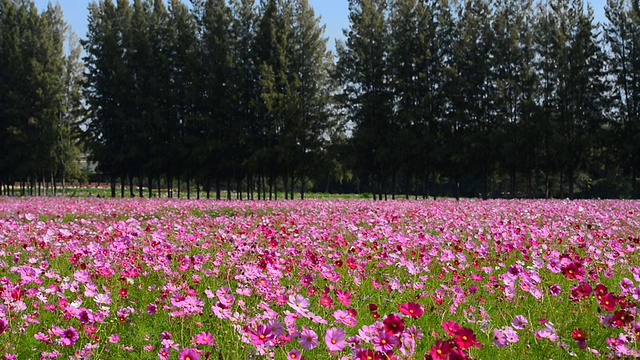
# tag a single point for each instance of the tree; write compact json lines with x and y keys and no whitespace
{"x":104,"y":89}
{"x":622,"y":34}
{"x":71,"y":111}
{"x":308,"y":99}
{"x":571,"y":64}
{"x":366,"y":92}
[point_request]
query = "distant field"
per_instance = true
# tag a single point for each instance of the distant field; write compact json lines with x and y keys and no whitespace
{"x":318,"y":279}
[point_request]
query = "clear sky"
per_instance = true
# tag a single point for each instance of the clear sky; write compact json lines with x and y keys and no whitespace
{"x":334,"y":15}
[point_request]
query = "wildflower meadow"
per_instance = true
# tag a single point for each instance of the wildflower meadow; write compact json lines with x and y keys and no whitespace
{"x":331,"y":279}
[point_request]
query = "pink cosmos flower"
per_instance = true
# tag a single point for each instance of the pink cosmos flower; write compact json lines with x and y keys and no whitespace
{"x":519,"y":322}
{"x":411,"y":309}
{"x":69,"y":337}
{"x":308,"y":339}
{"x":383,"y":342}
{"x":451,"y":327}
{"x":203,"y":338}
{"x":261,"y":335}
{"x":293,"y":354}
{"x":163,"y":354}
{"x":499,"y":339}
{"x":510,"y":334}
{"x":151,"y":309}
{"x":189,"y":354}
{"x":343,"y":297}
{"x":114,"y":338}
{"x":334,"y":338}
{"x":441,"y":350}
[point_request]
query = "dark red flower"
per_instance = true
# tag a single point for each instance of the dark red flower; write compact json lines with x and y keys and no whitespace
{"x":579,"y":335}
{"x":608,"y":302}
{"x":441,"y":350}
{"x":123,"y":292}
{"x":393,"y":324}
{"x":621,"y":318}
{"x":600,"y":291}
{"x":583,"y":289}
{"x":465,"y":338}
{"x":572,"y":271}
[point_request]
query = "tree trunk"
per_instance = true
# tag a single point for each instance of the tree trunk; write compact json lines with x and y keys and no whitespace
{"x":512,"y":183}
{"x":208,"y":186}
{"x":393,"y":186}
{"x":122,"y":186}
{"x":293,"y":185}
{"x":228,"y":189}
{"x":635,"y":193}
{"x":198,"y":190}
{"x":188,"y":189}
{"x":131,"y":193}
{"x":485,"y":192}
{"x":140,"y":185}
{"x":218,"y":187}
{"x":150,"y":184}
{"x":112,"y":181}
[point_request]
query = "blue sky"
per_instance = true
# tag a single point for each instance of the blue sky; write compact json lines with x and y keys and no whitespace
{"x":334,"y":14}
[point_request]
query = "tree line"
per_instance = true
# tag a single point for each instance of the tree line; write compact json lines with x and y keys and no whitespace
{"x":501,"y":98}
{"x":40,"y":96}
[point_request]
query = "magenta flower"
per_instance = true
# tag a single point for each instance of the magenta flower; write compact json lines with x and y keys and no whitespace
{"x":308,"y":339}
{"x":163,"y":354}
{"x":203,"y":338}
{"x":69,"y":337}
{"x":441,"y":350}
{"x":451,"y":327}
{"x":3,"y":325}
{"x":114,"y":338}
{"x":261,"y":335}
{"x":383,"y":342}
{"x":189,"y":354}
{"x":293,"y":354}
{"x":151,"y":309}
{"x":411,"y":309}
{"x":343,"y":297}
{"x":334,"y":338}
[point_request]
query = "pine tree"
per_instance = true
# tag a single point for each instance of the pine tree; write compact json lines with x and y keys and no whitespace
{"x":104,"y":90}
{"x":309,"y":73}
{"x":365,"y":79}
{"x":622,"y":34}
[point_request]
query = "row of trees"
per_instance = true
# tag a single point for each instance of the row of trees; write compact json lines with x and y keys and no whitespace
{"x":226,"y":94}
{"x":535,"y":93}
{"x":463,"y":97}
{"x":40,"y":94}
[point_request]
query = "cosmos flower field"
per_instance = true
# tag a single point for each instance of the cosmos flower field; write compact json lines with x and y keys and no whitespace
{"x":335,"y":279}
